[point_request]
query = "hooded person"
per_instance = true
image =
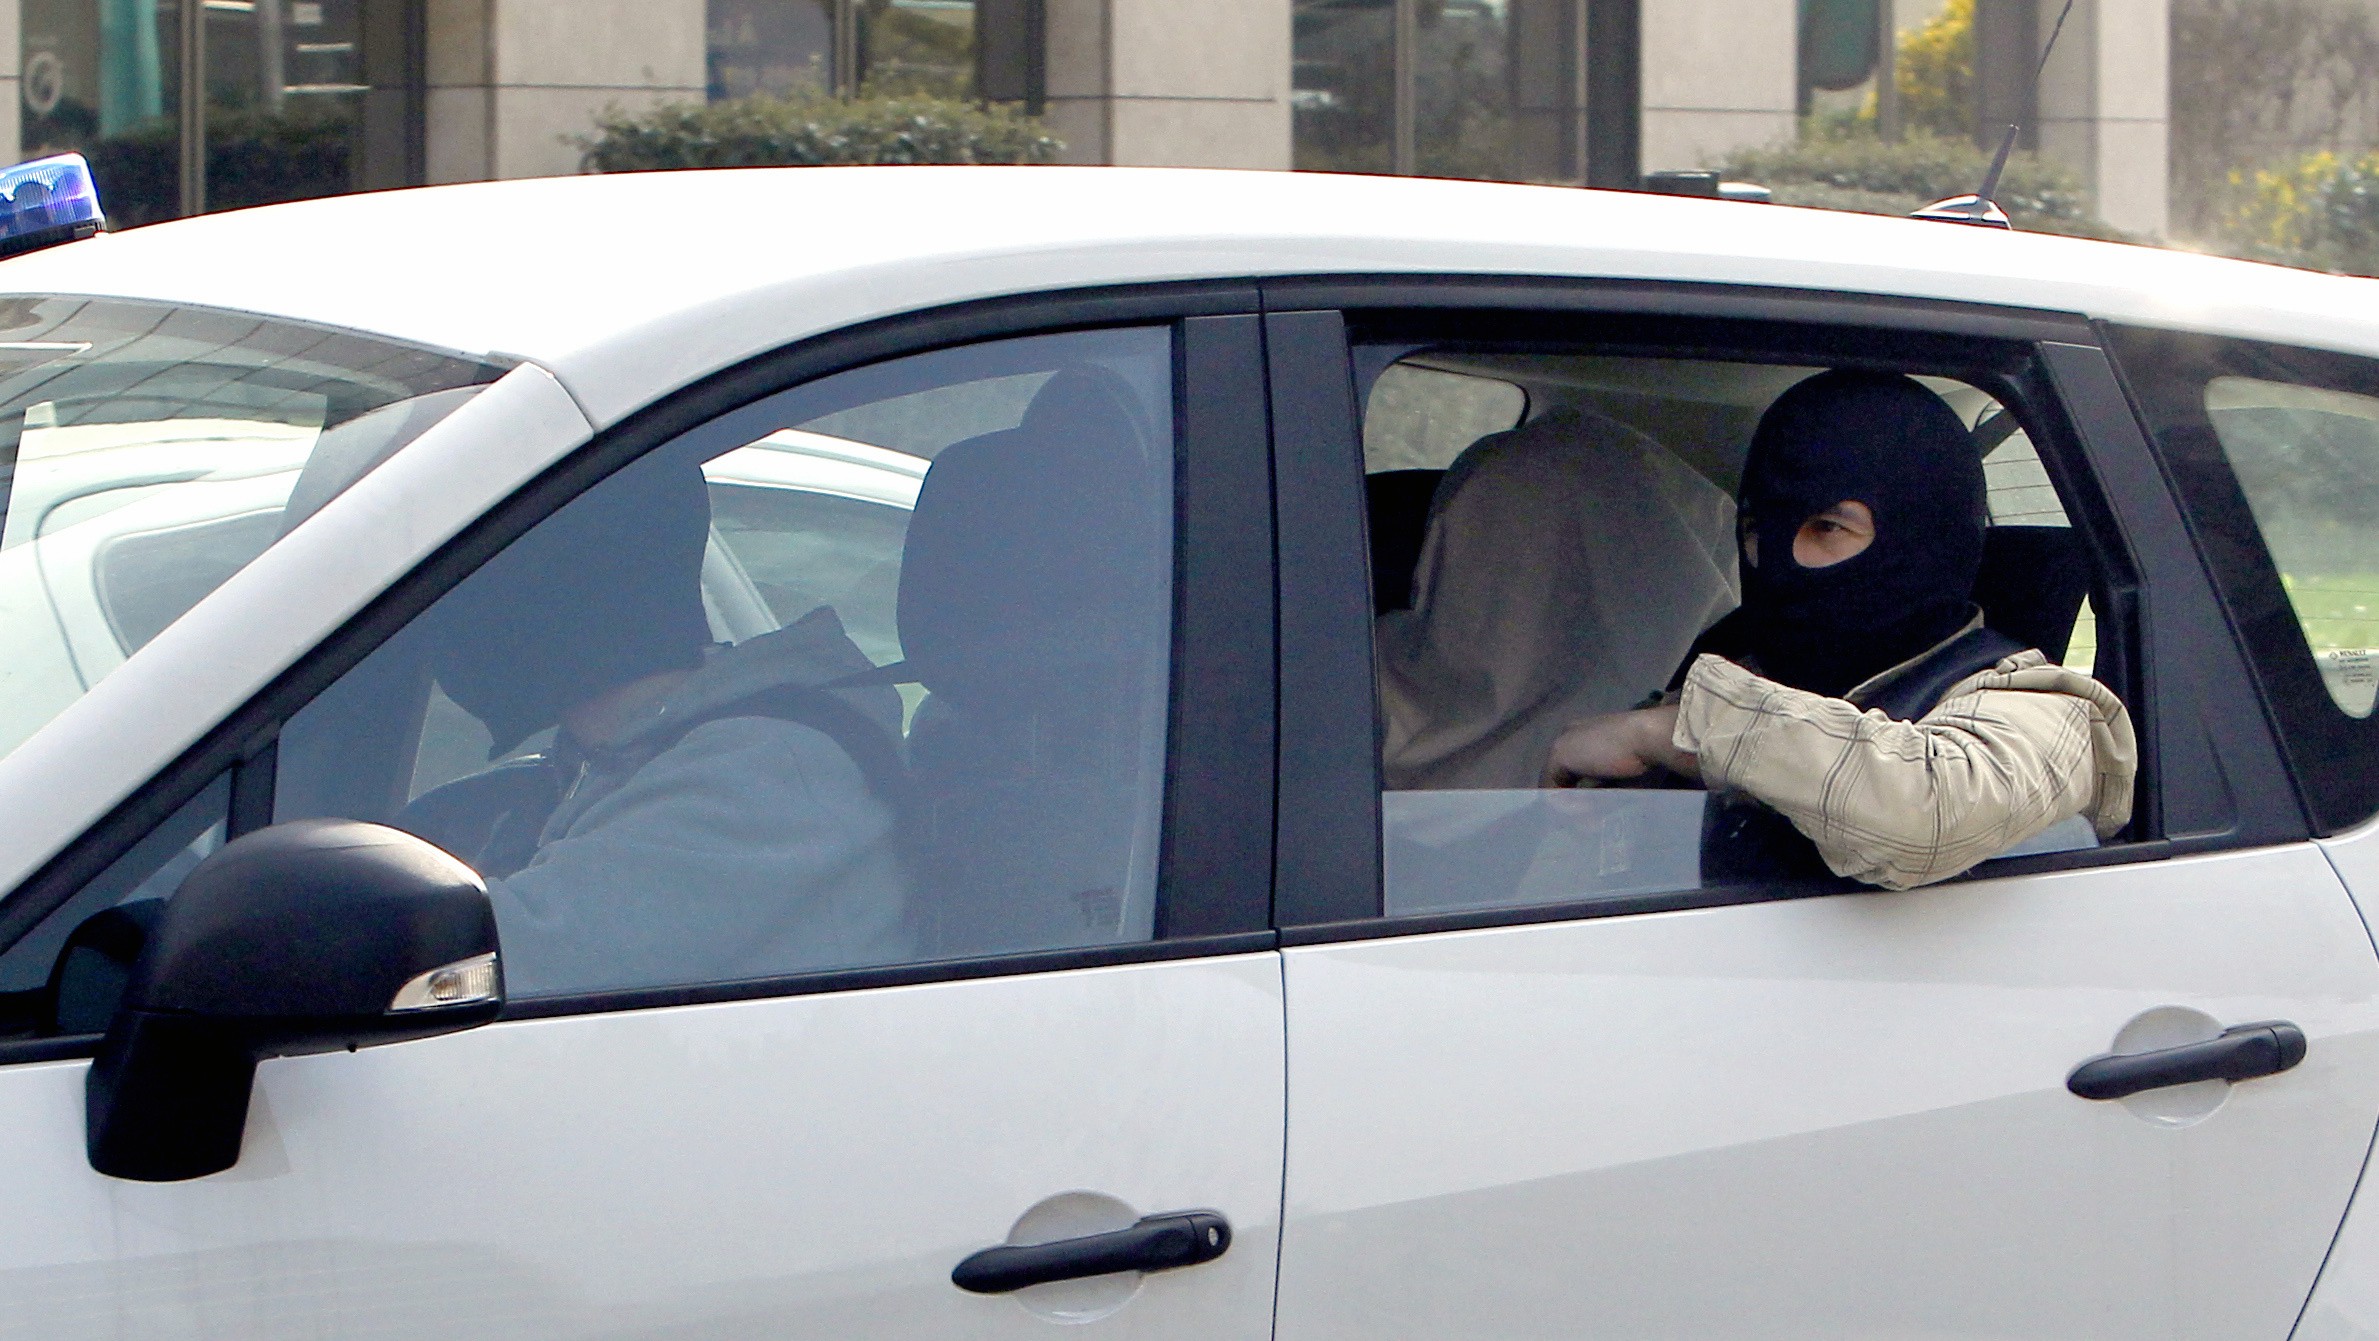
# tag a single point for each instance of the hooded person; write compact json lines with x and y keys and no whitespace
{"x":1567,"y":563}
{"x":703,"y":812}
{"x":1857,"y":692}
{"x":1885,"y":443}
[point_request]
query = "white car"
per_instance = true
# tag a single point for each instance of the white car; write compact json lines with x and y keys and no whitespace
{"x":1029,"y":940}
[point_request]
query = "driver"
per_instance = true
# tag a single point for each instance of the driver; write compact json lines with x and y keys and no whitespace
{"x":704,"y":813}
{"x":1857,"y":692}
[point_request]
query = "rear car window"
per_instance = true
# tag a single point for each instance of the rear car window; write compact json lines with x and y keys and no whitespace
{"x":2275,"y":450}
{"x":148,"y":452}
{"x":2308,"y":460}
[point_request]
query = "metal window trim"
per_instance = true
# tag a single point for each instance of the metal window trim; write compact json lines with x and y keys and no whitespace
{"x":70,"y":1046}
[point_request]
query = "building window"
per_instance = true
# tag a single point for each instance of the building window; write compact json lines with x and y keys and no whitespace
{"x":879,"y":47}
{"x":1515,"y":90}
{"x":770,"y":47}
{"x":1345,"y":104}
{"x":291,"y":98}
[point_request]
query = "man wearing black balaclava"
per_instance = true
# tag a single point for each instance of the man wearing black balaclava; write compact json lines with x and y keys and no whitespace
{"x":1857,"y":692}
{"x":702,"y":812}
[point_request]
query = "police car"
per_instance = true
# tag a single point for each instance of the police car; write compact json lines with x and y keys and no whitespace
{"x":1174,"y":1018}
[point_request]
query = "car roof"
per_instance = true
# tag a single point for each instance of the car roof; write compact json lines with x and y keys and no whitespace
{"x":626,"y":286}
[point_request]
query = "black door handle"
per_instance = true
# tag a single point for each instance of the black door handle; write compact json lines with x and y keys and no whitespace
{"x":1157,"y":1243}
{"x":2242,"y":1052}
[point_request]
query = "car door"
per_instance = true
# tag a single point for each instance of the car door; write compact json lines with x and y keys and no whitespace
{"x":1553,"y":1074}
{"x":1033,"y":1002}
{"x":2272,"y":447}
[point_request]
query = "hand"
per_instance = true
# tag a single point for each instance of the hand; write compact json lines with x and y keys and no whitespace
{"x":1618,"y":746}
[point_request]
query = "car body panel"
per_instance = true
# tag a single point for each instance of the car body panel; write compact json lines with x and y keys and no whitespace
{"x":686,"y":1172}
{"x":819,"y":463}
{"x":1829,"y":1117}
{"x":2345,"y":1304}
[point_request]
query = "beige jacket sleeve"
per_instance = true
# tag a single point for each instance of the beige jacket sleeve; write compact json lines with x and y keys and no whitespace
{"x":2007,"y":753}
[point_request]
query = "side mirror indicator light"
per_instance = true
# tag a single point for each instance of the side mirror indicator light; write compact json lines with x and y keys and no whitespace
{"x":465,"y":982}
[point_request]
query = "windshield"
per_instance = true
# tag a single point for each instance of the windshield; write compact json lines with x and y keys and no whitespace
{"x":148,"y":452}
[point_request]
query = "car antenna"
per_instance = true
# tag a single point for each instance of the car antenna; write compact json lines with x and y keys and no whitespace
{"x":1980,"y":208}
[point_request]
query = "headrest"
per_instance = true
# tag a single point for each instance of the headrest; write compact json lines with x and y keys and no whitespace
{"x":2032,"y":584}
{"x":1399,"y":507}
{"x":1040,"y":552}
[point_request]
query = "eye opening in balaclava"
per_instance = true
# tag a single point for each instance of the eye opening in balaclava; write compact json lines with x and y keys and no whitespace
{"x":1883,"y":440}
{"x":602,"y":593}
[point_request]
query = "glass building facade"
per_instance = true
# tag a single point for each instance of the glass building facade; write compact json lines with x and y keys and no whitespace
{"x":1516,"y":90}
{"x":190,"y":105}
{"x":2250,"y":128}
{"x":885,"y":47}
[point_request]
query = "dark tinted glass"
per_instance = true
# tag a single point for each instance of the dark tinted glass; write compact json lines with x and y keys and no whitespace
{"x":299,"y":98}
{"x":1345,"y":99}
{"x":66,"y":974}
{"x":872,"y":672}
{"x":2277,"y":459}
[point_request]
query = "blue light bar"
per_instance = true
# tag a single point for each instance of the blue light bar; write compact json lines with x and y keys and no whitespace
{"x":46,"y":202}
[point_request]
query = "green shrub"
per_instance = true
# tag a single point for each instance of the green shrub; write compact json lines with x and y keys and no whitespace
{"x":1846,"y":168}
{"x":2321,"y":211}
{"x":809,"y":129}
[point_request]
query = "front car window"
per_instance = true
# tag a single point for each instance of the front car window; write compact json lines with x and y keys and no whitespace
{"x":148,"y":452}
{"x":871,"y":672}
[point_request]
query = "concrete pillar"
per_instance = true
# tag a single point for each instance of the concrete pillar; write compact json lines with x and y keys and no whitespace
{"x":1718,"y":76}
{"x":1163,"y":83}
{"x":457,"y":111}
{"x":12,"y":98}
{"x":2105,"y":104}
{"x":509,"y":80}
{"x":1077,"y":75}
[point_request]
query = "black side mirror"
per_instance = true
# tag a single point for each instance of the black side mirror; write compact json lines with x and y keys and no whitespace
{"x":304,"y":937}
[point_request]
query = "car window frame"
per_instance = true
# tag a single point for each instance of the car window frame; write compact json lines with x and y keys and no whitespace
{"x":1321,"y":326}
{"x":1215,"y":853}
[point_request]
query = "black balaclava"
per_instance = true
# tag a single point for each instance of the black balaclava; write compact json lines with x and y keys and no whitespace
{"x":606,"y":591}
{"x":1882,"y":440}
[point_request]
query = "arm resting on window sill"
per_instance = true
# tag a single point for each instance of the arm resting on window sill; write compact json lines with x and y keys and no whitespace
{"x":2007,"y":753}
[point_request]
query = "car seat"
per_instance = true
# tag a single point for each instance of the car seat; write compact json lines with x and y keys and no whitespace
{"x":1398,"y":503}
{"x":1033,"y":609}
{"x":2032,"y":584}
